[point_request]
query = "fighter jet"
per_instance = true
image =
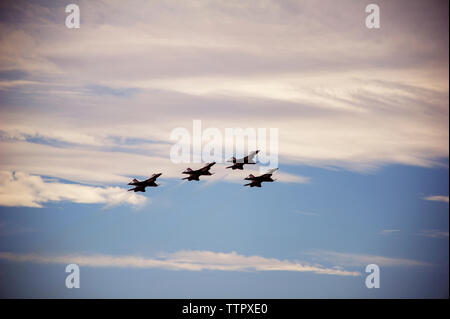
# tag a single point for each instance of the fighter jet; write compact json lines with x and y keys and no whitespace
{"x":141,"y":185}
{"x":239,"y":163}
{"x":195,"y":175}
{"x":257,"y":180}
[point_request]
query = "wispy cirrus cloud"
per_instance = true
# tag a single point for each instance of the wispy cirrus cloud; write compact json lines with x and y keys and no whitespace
{"x":437,"y":198}
{"x":328,"y":95}
{"x":125,"y":79}
{"x":351,"y":259}
{"x":389,"y":231}
{"x":190,"y":260}
{"x":433,"y":233}
{"x":95,"y":166}
{"x":21,"y":189}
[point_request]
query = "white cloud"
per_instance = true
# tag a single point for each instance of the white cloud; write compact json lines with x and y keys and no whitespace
{"x":433,"y":233}
{"x":183,"y":260}
{"x":437,"y":198}
{"x":348,"y":259}
{"x":21,"y":189}
{"x":389,"y":231}
{"x":94,"y":166}
{"x":230,"y":64}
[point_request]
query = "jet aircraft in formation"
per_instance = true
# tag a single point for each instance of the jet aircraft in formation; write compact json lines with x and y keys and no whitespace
{"x":257,"y":180}
{"x":194,"y":175}
{"x":141,"y":185}
{"x":239,"y":163}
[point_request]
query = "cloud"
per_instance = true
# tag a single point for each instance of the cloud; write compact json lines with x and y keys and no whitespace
{"x":7,"y":229}
{"x":71,"y":162}
{"x":437,"y":198}
{"x":433,"y":233}
{"x":389,"y":231}
{"x":21,"y":189}
{"x":156,"y":66}
{"x":349,"y":259}
{"x":182,"y":260}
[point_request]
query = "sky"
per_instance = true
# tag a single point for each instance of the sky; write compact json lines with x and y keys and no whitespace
{"x":362,"y":152}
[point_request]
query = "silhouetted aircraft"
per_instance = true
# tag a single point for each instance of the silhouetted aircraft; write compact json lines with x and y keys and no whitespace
{"x":257,"y":180}
{"x":195,"y":175}
{"x":239,"y":163}
{"x":141,"y":185}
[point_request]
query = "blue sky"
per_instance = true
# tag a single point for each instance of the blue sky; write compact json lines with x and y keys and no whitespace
{"x":362,"y":117}
{"x":226,"y":218}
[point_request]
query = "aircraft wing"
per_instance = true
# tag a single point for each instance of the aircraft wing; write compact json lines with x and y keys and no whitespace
{"x":207,"y":167}
{"x":271,"y":171}
{"x":252,"y":177}
{"x":153,"y":177}
{"x":251,"y":156}
{"x":138,"y":189}
{"x":254,"y":184}
{"x":134,"y":182}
